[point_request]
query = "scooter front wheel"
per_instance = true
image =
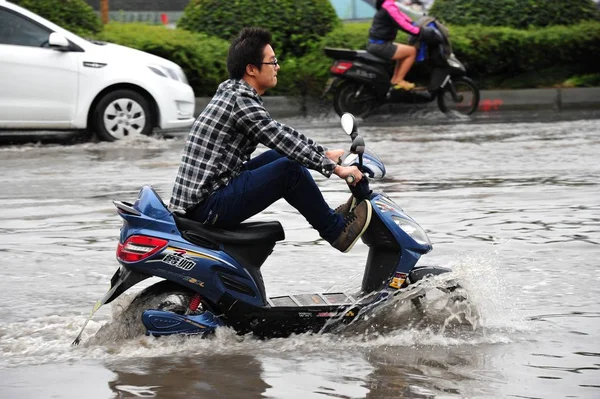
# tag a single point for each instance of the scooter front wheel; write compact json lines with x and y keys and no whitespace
{"x":355,"y":98}
{"x":460,"y":95}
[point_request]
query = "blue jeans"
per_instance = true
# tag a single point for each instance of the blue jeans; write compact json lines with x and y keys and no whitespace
{"x":264,"y":180}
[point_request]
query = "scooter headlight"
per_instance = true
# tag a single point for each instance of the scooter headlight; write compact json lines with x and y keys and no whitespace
{"x":454,"y":62}
{"x":412,"y":229}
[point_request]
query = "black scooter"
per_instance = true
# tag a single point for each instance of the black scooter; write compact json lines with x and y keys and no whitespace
{"x":360,"y":81}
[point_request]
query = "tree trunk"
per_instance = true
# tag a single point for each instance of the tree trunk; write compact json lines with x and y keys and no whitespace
{"x":104,"y":11}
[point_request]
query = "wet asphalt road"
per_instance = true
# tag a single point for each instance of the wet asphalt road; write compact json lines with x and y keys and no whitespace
{"x":509,"y":201}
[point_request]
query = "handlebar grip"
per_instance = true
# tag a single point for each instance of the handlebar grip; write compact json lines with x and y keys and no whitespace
{"x":350,"y":179}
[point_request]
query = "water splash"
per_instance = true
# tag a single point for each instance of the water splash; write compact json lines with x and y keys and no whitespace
{"x":437,"y":304}
{"x":483,"y":306}
{"x":483,"y":277}
{"x":135,"y":142}
{"x":481,"y":312}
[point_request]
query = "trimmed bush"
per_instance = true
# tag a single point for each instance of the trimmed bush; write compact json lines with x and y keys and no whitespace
{"x":73,"y":15}
{"x":589,"y":80}
{"x":202,"y":58}
{"x":307,"y":75}
{"x":495,"y":56}
{"x":492,"y":54}
{"x":294,"y":24}
{"x":514,"y":13}
{"x":497,"y":50}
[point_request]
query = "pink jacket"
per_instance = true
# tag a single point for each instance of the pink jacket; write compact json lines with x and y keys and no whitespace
{"x":401,"y":19}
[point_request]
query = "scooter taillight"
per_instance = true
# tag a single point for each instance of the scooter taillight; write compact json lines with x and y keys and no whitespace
{"x":340,"y":67}
{"x":137,"y":248}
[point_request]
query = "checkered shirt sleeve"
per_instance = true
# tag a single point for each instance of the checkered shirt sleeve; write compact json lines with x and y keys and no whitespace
{"x":226,"y":134}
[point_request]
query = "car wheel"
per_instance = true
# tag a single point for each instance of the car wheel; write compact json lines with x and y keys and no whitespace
{"x":122,"y":114}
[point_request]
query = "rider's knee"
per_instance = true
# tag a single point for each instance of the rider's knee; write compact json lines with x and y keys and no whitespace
{"x":293,"y":166}
{"x":296,"y":169}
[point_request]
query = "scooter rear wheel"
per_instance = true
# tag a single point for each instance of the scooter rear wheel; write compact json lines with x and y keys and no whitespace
{"x":468,"y":97}
{"x":356,"y":98}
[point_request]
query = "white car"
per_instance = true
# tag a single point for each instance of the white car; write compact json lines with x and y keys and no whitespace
{"x":52,"y":79}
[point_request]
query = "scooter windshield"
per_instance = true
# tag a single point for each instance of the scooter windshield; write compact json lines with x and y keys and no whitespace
{"x":373,"y":167}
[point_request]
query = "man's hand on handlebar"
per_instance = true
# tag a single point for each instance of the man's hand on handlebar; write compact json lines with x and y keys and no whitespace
{"x":335,"y":155}
{"x":345,"y":172}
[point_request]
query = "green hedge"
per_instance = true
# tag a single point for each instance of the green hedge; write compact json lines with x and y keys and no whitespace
{"x":202,"y":58}
{"x":294,"y":24}
{"x":306,"y":75}
{"x":497,"y":50}
{"x":73,"y":15}
{"x":493,"y":55}
{"x":514,"y":13}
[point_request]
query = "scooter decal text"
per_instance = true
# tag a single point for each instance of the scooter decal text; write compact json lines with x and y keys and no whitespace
{"x":179,"y":261}
{"x":326,"y":314}
{"x":385,"y":206}
{"x":186,"y":253}
{"x":192,"y":280}
{"x":177,"y":276}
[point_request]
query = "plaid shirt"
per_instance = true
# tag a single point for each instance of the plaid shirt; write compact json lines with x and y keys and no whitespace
{"x":225,"y":135}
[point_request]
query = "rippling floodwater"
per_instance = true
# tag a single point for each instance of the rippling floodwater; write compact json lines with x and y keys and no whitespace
{"x":513,"y":208}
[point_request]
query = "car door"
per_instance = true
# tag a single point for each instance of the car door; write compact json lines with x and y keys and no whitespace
{"x":38,"y":84}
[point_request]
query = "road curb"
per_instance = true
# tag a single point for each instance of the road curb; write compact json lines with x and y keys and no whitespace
{"x":491,"y":101}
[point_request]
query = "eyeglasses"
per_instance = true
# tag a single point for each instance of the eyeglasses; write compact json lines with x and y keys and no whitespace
{"x":274,"y":62}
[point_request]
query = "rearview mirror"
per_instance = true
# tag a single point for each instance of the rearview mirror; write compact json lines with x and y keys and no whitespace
{"x":58,"y":41}
{"x":358,"y":145}
{"x":349,"y":124}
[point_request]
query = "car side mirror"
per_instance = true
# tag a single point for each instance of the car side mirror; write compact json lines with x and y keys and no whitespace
{"x":58,"y":42}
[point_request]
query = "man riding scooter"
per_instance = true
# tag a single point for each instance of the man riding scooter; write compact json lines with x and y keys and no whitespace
{"x":219,"y":185}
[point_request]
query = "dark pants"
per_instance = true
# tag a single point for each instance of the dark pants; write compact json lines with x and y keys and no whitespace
{"x":264,"y":180}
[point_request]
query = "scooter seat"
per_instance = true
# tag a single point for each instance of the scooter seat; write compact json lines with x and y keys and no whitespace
{"x":349,"y":54}
{"x":249,"y":233}
{"x":365,"y":55}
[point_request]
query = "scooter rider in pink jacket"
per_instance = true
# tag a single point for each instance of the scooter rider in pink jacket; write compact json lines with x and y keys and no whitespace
{"x":387,"y":21}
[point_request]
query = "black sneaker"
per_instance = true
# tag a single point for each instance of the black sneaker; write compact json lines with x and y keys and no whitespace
{"x":344,"y":209}
{"x":357,"y":222}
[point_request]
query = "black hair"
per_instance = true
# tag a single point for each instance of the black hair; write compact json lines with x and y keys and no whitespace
{"x":378,"y":4}
{"x":247,"y":48}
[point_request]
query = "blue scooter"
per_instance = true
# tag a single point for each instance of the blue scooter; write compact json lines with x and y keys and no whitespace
{"x":212,"y":276}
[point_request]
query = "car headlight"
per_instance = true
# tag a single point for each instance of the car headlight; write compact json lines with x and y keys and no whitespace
{"x":412,"y":229}
{"x":182,"y":76}
{"x":169,"y":73}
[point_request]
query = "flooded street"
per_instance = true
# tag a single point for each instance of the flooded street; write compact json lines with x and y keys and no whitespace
{"x":513,"y":208}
